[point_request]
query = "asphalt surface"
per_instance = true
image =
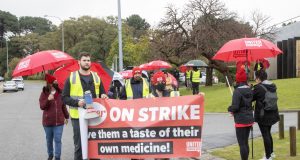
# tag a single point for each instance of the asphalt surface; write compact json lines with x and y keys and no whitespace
{"x":22,"y":136}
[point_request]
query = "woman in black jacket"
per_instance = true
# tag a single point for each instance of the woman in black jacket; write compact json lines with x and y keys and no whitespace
{"x":242,"y":111}
{"x":264,"y":118}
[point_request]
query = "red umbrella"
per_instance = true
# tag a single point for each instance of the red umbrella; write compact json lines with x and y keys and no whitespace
{"x":154,"y":65}
{"x":40,"y":61}
{"x":183,"y":68}
{"x":174,"y":80}
{"x":250,"y":49}
{"x":144,"y":66}
{"x":63,"y":73}
{"x":265,"y":63}
{"x":126,"y":74}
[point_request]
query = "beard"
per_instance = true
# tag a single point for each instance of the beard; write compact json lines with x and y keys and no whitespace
{"x":86,"y":68}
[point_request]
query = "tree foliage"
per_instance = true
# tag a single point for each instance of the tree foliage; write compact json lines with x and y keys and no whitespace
{"x":135,"y":51}
{"x":10,"y":22}
{"x":138,"y":24}
{"x":38,"y":25}
{"x":199,"y":30}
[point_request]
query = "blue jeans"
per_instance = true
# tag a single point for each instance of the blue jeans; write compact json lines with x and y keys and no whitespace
{"x":54,"y":133}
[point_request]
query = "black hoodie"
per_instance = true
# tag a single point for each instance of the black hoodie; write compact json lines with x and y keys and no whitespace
{"x":241,"y":105}
{"x":269,"y":117}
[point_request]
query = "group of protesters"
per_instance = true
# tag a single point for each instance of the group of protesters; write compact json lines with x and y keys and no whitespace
{"x":53,"y":102}
{"x":242,"y":110}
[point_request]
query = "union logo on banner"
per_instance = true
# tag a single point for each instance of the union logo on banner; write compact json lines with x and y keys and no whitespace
{"x":59,"y":55}
{"x":23,"y":64}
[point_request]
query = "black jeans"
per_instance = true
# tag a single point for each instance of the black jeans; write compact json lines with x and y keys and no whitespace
{"x":195,"y":86}
{"x":268,"y":140}
{"x":242,"y":135}
{"x":76,"y":139}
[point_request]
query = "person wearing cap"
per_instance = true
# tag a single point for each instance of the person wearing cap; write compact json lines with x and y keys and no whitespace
{"x":241,"y":109}
{"x":135,"y":87}
{"x":159,"y":82}
{"x":55,"y":114}
{"x":80,"y":82}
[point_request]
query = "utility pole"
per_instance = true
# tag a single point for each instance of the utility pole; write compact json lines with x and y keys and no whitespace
{"x":120,"y":37}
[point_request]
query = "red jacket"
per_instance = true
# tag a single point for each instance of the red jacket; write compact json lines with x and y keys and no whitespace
{"x":54,"y":111}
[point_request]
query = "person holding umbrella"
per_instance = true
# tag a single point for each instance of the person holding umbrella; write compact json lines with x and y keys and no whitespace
{"x":241,"y":109}
{"x":76,"y":86}
{"x":55,"y":114}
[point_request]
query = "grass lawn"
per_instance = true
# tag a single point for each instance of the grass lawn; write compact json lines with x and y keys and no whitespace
{"x":281,"y":149}
{"x":218,"y":97}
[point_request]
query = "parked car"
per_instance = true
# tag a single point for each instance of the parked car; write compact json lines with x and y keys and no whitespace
{"x":203,"y":78}
{"x":20,"y":82}
{"x":1,"y":79}
{"x":10,"y":86}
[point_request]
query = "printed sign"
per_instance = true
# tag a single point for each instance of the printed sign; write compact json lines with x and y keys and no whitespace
{"x":155,"y":127}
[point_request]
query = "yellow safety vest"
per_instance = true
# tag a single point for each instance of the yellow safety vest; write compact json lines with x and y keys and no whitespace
{"x":129,"y":92}
{"x":188,"y":74}
{"x":76,"y":90}
{"x":196,"y":76}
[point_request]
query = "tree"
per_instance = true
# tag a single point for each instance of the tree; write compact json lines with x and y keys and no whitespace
{"x":35,"y":25}
{"x":203,"y":27}
{"x":138,"y":24}
{"x":12,"y":65}
{"x":89,"y":34}
{"x":9,"y":22}
{"x":260,"y":28}
{"x":135,"y":52}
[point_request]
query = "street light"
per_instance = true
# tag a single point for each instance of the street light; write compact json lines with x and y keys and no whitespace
{"x":120,"y":37}
{"x":62,"y":31}
{"x":6,"y":56}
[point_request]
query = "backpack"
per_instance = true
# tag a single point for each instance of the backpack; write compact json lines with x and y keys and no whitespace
{"x":270,"y":100}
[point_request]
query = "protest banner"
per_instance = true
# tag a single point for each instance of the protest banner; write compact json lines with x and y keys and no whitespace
{"x":154,"y":128}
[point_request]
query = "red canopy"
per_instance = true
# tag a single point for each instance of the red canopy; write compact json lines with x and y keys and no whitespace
{"x":250,"y":49}
{"x":40,"y":61}
{"x":63,"y":73}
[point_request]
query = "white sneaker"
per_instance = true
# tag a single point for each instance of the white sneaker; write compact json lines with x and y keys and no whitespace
{"x":264,"y":158}
{"x":273,"y":155}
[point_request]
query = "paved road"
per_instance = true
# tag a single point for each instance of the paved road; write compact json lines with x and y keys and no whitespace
{"x":22,"y":136}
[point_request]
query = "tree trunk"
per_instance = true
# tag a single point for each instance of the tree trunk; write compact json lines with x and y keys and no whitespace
{"x":209,"y":76}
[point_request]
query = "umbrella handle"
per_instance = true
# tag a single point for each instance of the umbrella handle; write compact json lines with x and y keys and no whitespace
{"x":229,"y":85}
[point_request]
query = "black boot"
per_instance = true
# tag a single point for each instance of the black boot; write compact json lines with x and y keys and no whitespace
{"x":50,"y":157}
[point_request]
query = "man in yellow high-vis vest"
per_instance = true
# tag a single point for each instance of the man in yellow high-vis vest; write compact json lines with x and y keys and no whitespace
{"x":73,"y":95}
{"x":136,"y":87}
{"x":195,"y":79}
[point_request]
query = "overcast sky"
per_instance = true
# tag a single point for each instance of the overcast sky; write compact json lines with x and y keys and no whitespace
{"x":151,"y":10}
